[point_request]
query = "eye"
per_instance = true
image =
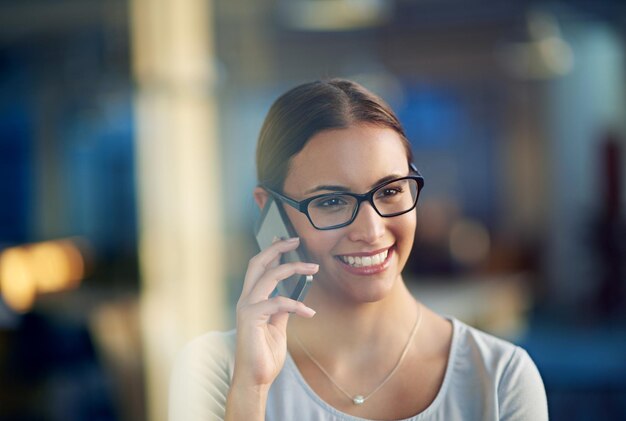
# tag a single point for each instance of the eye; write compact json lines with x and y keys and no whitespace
{"x":389,"y":191}
{"x":394,"y":190}
{"x":329,"y":202}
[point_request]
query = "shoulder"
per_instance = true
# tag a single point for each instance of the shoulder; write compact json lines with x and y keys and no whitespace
{"x":201,"y":377}
{"x":494,"y":356}
{"x":207,"y":356}
{"x":489,"y":348}
{"x":511,"y":373}
{"x":212,"y":347}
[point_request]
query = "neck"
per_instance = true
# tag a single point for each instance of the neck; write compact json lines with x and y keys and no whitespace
{"x":348,"y":325}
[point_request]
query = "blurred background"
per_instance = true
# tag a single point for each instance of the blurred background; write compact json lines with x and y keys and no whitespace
{"x":127,"y":140}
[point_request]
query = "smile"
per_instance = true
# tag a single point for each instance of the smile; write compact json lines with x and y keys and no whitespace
{"x":365,"y":261}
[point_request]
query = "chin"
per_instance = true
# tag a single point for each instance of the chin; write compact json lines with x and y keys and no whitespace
{"x":370,"y":297}
{"x":367,"y":291}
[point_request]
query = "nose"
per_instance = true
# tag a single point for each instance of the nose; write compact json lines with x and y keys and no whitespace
{"x":368,"y":226}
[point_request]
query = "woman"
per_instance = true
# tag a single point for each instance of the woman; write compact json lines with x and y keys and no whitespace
{"x":360,"y":346}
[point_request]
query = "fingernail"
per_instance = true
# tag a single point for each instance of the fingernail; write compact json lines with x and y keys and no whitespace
{"x":313,"y":265}
{"x":311,"y":311}
{"x":293,"y":239}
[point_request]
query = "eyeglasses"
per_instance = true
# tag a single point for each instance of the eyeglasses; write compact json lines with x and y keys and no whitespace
{"x":335,"y":210}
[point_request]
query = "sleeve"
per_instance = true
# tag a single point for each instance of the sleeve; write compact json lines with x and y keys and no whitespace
{"x":200,"y":380}
{"x":521,"y":394}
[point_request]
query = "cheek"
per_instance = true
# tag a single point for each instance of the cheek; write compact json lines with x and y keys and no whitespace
{"x":405,"y":226}
{"x":318,"y":244}
{"x":300,"y":223}
{"x":308,"y":235}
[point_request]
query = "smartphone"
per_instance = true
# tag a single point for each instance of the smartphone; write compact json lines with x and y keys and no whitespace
{"x":274,"y":224}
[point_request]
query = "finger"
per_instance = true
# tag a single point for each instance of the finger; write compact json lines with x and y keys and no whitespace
{"x":270,"y":279}
{"x":276,"y":260}
{"x":280,"y":321}
{"x":274,"y":263}
{"x":266,"y":259}
{"x":266,"y":310}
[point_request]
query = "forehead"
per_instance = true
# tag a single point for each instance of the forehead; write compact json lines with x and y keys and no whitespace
{"x":355,"y":157}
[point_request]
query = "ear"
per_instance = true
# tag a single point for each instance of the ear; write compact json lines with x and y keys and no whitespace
{"x":260,"y":197}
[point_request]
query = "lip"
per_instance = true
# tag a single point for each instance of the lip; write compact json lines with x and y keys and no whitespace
{"x":367,"y":253}
{"x":368,"y":270}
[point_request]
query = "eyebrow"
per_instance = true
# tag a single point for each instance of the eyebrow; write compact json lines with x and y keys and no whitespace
{"x":339,"y":188}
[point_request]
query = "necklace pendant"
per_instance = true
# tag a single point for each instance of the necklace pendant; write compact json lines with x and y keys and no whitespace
{"x":358,"y":400}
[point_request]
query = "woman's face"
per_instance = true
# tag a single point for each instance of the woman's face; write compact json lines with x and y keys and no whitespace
{"x":355,"y":159}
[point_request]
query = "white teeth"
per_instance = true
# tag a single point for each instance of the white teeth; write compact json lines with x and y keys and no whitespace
{"x":357,"y":262}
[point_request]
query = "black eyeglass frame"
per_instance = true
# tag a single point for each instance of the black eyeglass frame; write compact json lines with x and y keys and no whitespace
{"x":303,"y":205}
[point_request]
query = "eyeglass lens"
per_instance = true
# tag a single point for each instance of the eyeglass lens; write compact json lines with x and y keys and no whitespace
{"x":395,"y":197}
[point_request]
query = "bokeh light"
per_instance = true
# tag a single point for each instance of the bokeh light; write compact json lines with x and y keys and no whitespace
{"x":47,"y":267}
{"x":17,"y":281}
{"x":469,"y":242}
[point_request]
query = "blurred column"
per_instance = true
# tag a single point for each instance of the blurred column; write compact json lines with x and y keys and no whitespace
{"x":179,"y":190}
{"x":580,"y":108}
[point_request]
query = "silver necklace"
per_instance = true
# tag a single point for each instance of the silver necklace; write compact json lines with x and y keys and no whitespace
{"x":360,"y":399}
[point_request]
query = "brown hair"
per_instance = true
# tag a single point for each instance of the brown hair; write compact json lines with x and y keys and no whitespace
{"x":302,"y":112}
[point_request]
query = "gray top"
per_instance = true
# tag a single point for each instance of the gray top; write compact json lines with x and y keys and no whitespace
{"x":486,"y":379}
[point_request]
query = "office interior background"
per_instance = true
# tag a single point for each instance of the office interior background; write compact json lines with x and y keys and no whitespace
{"x":127,"y":141}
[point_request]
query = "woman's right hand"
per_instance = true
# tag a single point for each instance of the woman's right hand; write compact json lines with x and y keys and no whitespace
{"x":262,"y":321}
